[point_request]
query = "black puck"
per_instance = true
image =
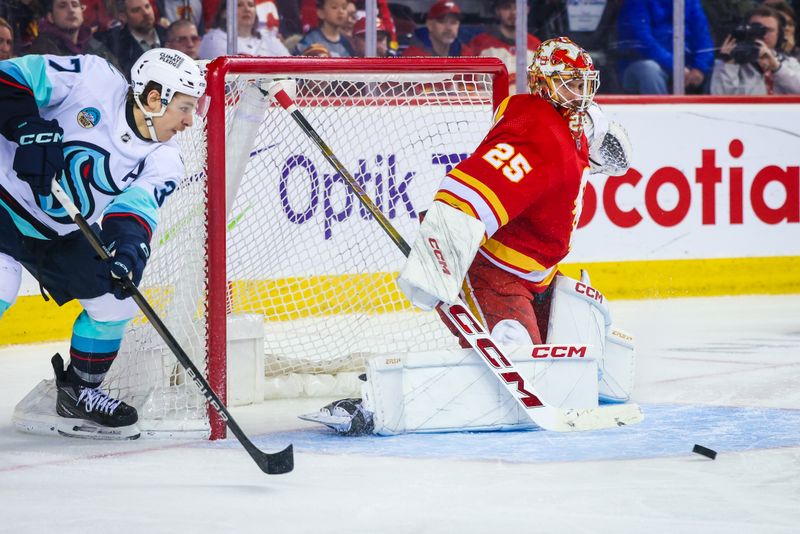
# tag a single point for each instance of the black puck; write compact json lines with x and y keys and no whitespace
{"x":705,"y":451}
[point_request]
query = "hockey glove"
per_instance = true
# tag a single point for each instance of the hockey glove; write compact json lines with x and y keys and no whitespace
{"x":127,"y":243}
{"x":39,"y":156}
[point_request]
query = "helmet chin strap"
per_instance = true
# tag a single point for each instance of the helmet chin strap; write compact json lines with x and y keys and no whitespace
{"x":149,"y":116}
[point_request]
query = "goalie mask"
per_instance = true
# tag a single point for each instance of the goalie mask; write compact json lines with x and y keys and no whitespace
{"x":175,"y":72}
{"x":563,"y":73}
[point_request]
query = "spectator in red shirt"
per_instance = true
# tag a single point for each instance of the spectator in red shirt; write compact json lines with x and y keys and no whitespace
{"x":500,"y":40}
{"x":439,"y":37}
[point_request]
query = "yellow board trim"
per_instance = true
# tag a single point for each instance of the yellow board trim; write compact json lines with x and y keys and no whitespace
{"x":32,"y":320}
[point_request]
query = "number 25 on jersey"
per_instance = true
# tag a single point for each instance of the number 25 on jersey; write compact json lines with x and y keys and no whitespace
{"x":514,"y":165}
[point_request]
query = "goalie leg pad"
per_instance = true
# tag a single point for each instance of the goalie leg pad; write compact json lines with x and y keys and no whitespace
{"x":453,"y":391}
{"x":618,"y":367}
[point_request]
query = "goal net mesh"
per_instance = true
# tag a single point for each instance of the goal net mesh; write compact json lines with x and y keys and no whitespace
{"x":302,"y":255}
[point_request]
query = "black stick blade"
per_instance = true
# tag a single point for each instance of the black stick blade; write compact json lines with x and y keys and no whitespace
{"x":277,"y":463}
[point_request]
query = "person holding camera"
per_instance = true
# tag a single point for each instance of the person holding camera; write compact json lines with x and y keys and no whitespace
{"x":751,"y":61}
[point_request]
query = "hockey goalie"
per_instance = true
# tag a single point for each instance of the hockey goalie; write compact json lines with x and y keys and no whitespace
{"x":500,"y":223}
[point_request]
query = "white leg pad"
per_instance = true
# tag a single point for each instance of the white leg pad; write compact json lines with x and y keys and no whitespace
{"x":618,"y":367}
{"x":452,"y":391}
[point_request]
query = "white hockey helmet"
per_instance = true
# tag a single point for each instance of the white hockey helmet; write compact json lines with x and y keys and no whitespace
{"x":563,"y":73}
{"x":173,"y":70}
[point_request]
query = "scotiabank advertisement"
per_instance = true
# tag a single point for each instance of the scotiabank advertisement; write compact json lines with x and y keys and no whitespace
{"x":708,"y":181}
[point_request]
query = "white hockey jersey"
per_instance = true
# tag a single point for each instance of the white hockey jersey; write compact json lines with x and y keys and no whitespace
{"x":109,"y":167}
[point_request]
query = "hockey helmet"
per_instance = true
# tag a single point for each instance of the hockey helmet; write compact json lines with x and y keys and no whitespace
{"x":174,"y":71}
{"x":563,"y":73}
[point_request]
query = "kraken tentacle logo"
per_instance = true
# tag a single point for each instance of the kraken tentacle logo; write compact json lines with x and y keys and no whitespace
{"x":86,"y":170}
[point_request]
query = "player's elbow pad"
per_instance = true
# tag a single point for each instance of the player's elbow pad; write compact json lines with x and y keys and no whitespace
{"x":447,"y":242}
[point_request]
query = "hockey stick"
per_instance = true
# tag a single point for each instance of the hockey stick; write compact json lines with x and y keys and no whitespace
{"x":271,"y":463}
{"x":542,"y":414}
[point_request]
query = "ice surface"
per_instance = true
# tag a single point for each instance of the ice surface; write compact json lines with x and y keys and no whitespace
{"x":722,"y":372}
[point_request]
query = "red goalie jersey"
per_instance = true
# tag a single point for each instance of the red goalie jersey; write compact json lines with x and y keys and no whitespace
{"x":525,"y":182}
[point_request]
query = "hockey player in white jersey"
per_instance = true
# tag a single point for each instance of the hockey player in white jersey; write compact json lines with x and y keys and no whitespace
{"x":111,"y":147}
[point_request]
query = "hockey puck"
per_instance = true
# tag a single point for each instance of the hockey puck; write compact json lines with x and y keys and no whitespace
{"x":705,"y":451}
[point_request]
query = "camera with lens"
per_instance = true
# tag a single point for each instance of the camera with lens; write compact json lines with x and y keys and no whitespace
{"x":746,"y":49}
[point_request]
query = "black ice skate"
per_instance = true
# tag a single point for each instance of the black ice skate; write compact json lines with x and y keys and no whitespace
{"x":90,"y":412}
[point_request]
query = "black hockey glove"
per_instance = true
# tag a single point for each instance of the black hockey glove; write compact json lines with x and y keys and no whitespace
{"x":127,"y":242}
{"x":39,"y":156}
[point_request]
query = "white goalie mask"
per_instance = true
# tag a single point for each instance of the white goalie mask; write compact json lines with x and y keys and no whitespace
{"x":175,"y":72}
{"x":563,"y":73}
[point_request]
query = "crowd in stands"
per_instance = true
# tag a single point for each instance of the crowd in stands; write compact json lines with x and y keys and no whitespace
{"x":741,"y":47}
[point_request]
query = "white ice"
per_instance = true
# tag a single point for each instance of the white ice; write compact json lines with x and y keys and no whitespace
{"x":732,"y":351}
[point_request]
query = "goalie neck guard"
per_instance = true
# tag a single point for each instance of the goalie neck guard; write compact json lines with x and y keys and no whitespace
{"x":174,"y":71}
{"x":563,"y":73}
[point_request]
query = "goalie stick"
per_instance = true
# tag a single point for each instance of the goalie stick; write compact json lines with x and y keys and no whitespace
{"x":542,"y":414}
{"x":270,"y":463}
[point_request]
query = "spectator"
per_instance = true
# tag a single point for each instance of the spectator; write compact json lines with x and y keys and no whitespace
{"x":175,"y":10}
{"x":360,"y":40}
{"x":62,"y":33}
{"x":789,"y":26}
{"x":6,"y":40}
{"x":645,"y":30}
{"x":100,"y":15}
{"x":500,"y":40}
{"x":350,"y":19}
{"x":290,"y":24}
{"x":137,"y":34}
{"x":332,"y":15}
{"x":182,"y":35}
{"x":250,"y":41}
{"x":23,"y":16}
{"x":758,"y":67}
{"x":439,"y":37}
{"x":310,"y":19}
{"x":591,"y":25}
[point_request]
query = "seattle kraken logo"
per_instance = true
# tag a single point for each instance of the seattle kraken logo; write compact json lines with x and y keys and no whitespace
{"x":86,"y":169}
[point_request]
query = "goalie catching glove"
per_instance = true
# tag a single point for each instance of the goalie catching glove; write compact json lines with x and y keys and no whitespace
{"x":610,"y":148}
{"x":447,"y":242}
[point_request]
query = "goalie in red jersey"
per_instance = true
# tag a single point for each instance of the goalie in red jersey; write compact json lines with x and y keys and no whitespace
{"x":524,"y":183}
{"x":500,"y":223}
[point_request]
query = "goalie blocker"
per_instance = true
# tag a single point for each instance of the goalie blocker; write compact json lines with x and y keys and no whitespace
{"x":586,"y":360}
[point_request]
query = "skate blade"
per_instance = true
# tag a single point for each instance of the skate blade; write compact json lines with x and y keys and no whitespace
{"x":79,"y":428}
{"x":335,"y":422}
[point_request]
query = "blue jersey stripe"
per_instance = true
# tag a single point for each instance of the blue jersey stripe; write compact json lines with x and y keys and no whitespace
{"x":30,"y":71}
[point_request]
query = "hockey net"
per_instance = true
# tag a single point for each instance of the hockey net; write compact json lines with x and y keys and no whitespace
{"x":292,"y":254}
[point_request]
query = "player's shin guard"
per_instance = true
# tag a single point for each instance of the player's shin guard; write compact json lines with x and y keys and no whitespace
{"x":93,"y":348}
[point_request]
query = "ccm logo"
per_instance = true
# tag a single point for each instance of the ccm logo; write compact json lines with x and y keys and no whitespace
{"x":589,"y":291}
{"x":559,"y":351}
{"x":439,"y":256}
{"x":40,"y":138}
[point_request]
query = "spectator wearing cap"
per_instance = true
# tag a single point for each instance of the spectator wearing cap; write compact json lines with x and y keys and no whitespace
{"x":360,"y":41}
{"x":500,"y":40}
{"x":62,"y":33}
{"x":439,"y":36}
{"x":6,"y":40}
